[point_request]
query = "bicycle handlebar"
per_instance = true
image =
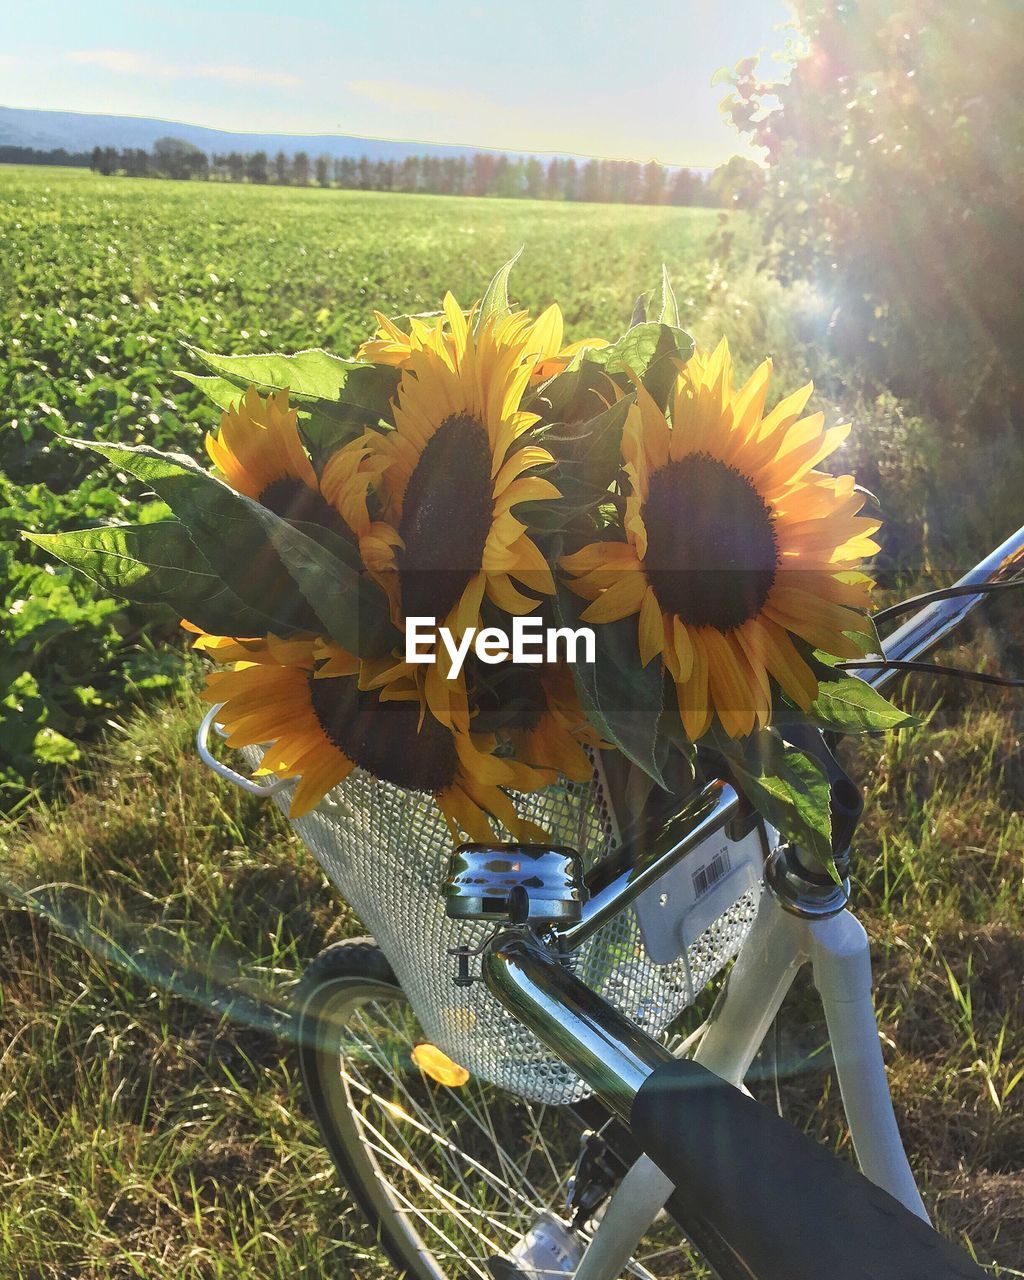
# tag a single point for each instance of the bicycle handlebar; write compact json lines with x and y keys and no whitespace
{"x":930,"y":625}
{"x":762,"y":1199}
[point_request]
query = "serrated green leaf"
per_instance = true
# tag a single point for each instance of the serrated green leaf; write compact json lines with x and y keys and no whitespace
{"x":849,"y":705}
{"x":155,"y":564}
{"x":622,"y":698}
{"x":314,"y":374}
{"x":639,"y":346}
{"x":651,"y":352}
{"x":787,"y":787}
{"x":495,"y":299}
{"x":224,"y":394}
{"x":669,"y":308}
{"x":304,"y":576}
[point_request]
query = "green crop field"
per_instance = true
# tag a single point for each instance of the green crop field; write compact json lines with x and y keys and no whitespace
{"x":153,"y":921}
{"x":104,"y":278}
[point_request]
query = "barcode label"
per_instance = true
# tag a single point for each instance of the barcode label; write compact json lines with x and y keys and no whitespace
{"x":707,"y":876}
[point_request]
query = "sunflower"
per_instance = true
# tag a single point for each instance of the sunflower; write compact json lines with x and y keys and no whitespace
{"x":443,"y":483}
{"x":738,"y":553}
{"x":301,"y":699}
{"x":552,"y":356}
{"x":258,"y":451}
{"x":536,"y":710}
{"x":393,"y":345}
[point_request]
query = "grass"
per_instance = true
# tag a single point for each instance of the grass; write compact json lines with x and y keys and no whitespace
{"x":944,"y":901}
{"x":151,"y":1122}
{"x":154,"y":919}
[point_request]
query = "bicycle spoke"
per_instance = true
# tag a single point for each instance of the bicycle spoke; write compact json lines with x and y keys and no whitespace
{"x":487,"y":1128}
{"x":501,"y":1187}
{"x":509,"y":1166}
{"x":458,"y":1253}
{"x":367,"y":1124}
{"x":448,"y":1202}
{"x":466,"y":1171}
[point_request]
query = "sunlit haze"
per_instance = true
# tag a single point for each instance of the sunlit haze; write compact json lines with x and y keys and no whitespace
{"x":596,"y":78}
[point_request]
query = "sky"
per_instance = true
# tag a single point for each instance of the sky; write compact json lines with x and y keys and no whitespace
{"x":596,"y":77}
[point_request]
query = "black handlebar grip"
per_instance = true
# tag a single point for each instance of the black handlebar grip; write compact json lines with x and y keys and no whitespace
{"x":765,"y":1202}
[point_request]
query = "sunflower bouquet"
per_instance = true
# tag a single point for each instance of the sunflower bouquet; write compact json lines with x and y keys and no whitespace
{"x":468,"y":469}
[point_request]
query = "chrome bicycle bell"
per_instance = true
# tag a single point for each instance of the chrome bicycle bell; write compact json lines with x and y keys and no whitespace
{"x":523,"y":883}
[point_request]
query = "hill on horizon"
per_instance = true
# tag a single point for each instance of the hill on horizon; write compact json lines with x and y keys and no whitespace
{"x":81,"y":131}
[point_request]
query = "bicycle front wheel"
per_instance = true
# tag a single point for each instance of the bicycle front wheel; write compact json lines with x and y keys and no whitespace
{"x":453,"y":1173}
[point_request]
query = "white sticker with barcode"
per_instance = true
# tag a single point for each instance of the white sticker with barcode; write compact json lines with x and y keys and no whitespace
{"x":707,"y":876}
{"x":678,"y":908}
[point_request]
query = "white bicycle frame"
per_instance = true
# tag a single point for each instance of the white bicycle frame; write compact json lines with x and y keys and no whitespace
{"x":776,"y":947}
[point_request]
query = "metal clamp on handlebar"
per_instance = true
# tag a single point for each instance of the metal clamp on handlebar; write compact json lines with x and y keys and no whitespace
{"x":798,"y":882}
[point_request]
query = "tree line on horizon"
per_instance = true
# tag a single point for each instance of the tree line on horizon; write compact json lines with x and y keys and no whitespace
{"x":735,"y":184}
{"x":10,"y":154}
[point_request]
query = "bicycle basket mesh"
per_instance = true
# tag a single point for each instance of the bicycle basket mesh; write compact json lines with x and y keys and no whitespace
{"x":386,"y":851}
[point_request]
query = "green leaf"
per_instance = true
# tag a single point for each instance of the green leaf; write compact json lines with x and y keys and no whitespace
{"x":576,"y":393}
{"x":865,"y":636}
{"x":651,"y":352}
{"x":669,"y":308}
{"x":353,"y":609}
{"x":639,"y":315}
{"x":622,"y":698}
{"x":155,"y":564}
{"x":640,"y":346}
{"x":495,"y":300}
{"x":329,"y":427}
{"x":309,"y":375}
{"x":263,"y":557}
{"x":787,"y":787}
{"x":588,"y":455}
{"x":224,"y":394}
{"x":847,"y":704}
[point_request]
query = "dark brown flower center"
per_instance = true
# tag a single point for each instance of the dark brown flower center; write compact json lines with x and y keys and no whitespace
{"x":383,"y":738}
{"x":712,"y":554}
{"x":290,"y":499}
{"x":446,"y":517}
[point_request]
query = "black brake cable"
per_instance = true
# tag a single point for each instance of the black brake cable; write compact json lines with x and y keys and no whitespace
{"x":943,"y":593}
{"x":931,"y":669}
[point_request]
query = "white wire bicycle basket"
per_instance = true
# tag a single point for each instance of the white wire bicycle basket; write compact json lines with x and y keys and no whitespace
{"x":386,"y":851}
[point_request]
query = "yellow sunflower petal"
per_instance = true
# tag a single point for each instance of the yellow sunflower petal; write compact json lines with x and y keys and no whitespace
{"x":652,"y":631}
{"x":619,"y":601}
{"x":730,"y":687}
{"x":695,"y":707}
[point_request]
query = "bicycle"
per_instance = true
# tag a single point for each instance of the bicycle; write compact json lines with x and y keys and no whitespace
{"x":530,"y":1120}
